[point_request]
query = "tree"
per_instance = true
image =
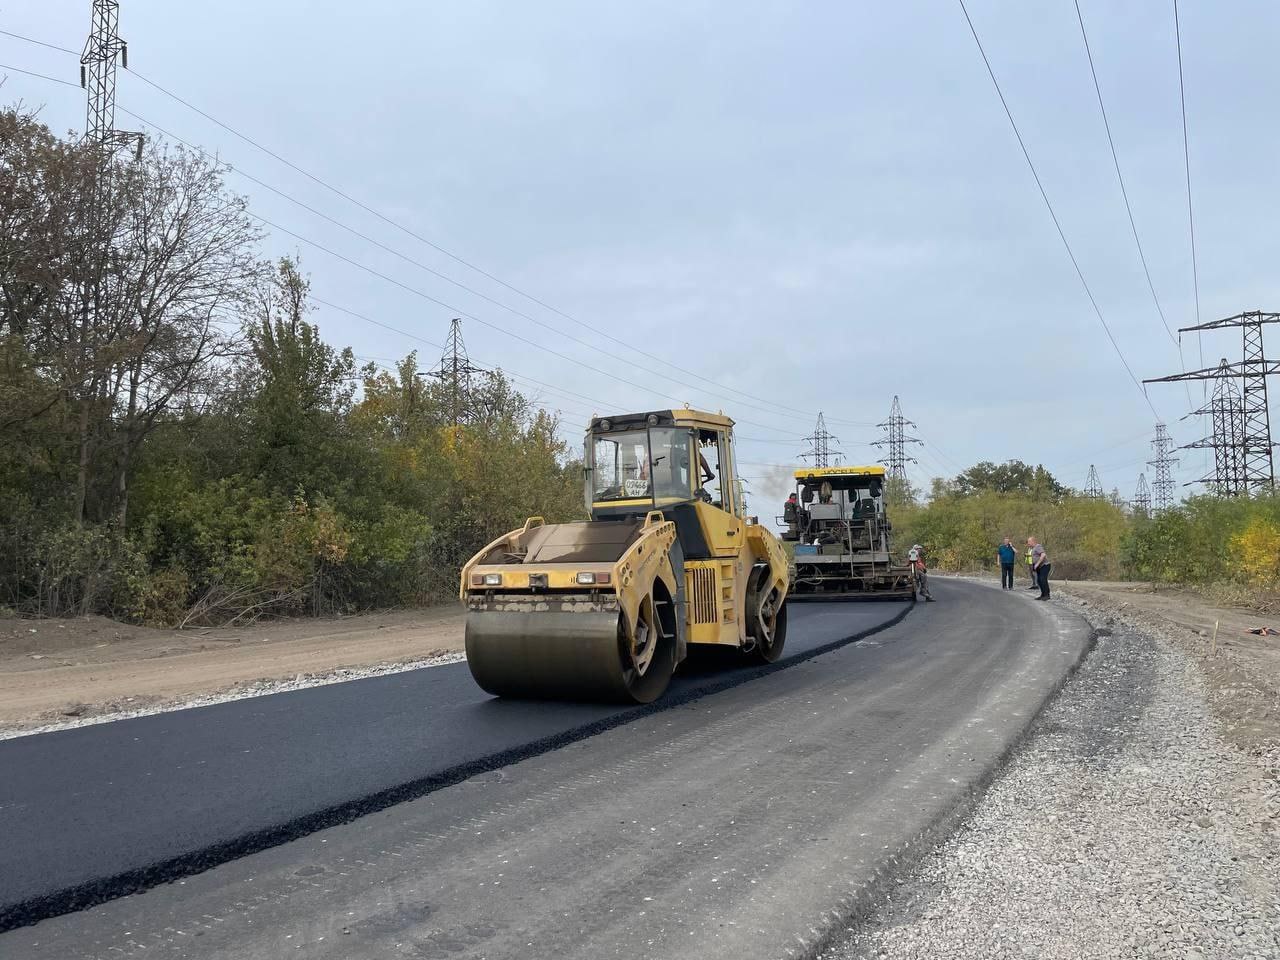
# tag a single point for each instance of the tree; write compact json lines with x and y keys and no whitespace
{"x":178,"y":442}
{"x":183,"y":269}
{"x":1012,"y":476}
{"x":899,"y":493}
{"x":117,"y":278}
{"x":298,"y":389}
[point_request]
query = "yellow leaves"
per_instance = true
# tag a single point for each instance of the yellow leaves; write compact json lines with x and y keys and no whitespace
{"x":319,"y":529}
{"x":1258,"y":551}
{"x":453,"y":438}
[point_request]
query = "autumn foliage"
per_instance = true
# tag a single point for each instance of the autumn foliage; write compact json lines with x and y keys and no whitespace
{"x":179,"y":443}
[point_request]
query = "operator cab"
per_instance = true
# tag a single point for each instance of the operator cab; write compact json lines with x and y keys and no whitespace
{"x":834,"y":499}
{"x":679,"y":462}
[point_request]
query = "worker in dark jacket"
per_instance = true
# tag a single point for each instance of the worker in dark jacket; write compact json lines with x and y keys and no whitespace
{"x":789,"y":509}
{"x":1008,"y":557}
{"x":1040,"y":564}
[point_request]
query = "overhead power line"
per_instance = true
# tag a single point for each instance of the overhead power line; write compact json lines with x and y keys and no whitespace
{"x":763,"y":405}
{"x":771,"y":407}
{"x":490,"y":367}
{"x":1049,"y":206}
{"x":1124,"y":192}
{"x":1186,"y":160}
{"x":452,"y":256}
{"x":598,"y":404}
{"x":470,"y":316}
{"x":41,"y":43}
{"x":40,"y":76}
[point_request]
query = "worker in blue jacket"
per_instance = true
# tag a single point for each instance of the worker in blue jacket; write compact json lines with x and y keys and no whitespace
{"x":1008,"y":557}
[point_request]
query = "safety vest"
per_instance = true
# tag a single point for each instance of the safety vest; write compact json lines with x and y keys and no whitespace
{"x":1029,"y":560}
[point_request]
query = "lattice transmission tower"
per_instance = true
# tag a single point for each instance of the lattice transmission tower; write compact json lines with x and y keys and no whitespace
{"x":455,"y":371}
{"x":1225,"y":411}
{"x":896,"y":440}
{"x":98,"y":77}
{"x":1141,"y":502}
{"x":822,"y":446}
{"x":1162,"y":464}
{"x":1093,"y":486}
{"x":1253,"y":446}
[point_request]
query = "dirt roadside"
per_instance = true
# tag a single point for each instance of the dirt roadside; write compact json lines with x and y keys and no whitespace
{"x":1242,"y":670}
{"x":66,"y":671}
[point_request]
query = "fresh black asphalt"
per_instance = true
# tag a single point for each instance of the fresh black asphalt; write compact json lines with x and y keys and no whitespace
{"x":755,"y":822}
{"x":98,"y":811}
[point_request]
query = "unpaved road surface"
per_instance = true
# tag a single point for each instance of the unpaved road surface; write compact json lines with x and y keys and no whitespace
{"x":1134,"y":824}
{"x":750,"y":822}
{"x":1241,"y":671}
{"x":54,"y":670}
{"x":1183,"y":608}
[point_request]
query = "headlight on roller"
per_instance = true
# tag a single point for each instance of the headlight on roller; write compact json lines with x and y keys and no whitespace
{"x":598,"y":579}
{"x":493,"y":579}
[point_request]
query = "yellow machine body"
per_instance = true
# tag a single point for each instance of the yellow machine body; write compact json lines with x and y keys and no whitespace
{"x":607,"y":608}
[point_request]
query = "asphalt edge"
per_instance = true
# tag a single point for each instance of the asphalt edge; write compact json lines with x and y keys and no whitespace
{"x":856,"y":908}
{"x":91,"y":893}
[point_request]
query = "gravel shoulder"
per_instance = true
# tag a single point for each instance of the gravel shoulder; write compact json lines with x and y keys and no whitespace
{"x":1241,"y":671}
{"x":1142,"y":819}
{"x":66,"y":672}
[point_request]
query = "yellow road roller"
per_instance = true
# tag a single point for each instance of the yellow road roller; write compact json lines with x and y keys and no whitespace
{"x":606,"y":608}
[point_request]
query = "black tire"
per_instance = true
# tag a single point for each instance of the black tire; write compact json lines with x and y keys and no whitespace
{"x":650,"y":685}
{"x":768,"y":638}
{"x":774,"y":652}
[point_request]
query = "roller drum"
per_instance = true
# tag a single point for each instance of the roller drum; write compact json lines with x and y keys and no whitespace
{"x":560,"y":649}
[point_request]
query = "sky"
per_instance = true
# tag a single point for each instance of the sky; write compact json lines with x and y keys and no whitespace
{"x":769,"y":209}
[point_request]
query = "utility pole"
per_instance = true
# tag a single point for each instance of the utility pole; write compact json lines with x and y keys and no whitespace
{"x":454,"y":371}
{"x":822,"y":450}
{"x":896,"y":439}
{"x":1162,"y":463}
{"x":1141,"y":502}
{"x":1093,"y":486}
{"x":1253,"y":445}
{"x":1225,"y":411}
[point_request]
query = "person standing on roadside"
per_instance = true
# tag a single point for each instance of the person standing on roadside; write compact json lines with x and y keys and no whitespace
{"x":1031,"y":571}
{"x":1008,"y":557}
{"x":1040,"y":564}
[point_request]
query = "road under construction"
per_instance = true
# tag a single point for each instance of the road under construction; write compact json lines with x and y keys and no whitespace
{"x":640,"y":721}
{"x":744,"y":813}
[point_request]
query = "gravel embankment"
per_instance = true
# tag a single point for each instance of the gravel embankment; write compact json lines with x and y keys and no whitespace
{"x":1127,"y":827}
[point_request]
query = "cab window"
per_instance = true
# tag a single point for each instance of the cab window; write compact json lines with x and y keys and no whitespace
{"x":715,"y":469}
{"x":652,"y":464}
{"x":620,"y":466}
{"x":672,"y":464}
